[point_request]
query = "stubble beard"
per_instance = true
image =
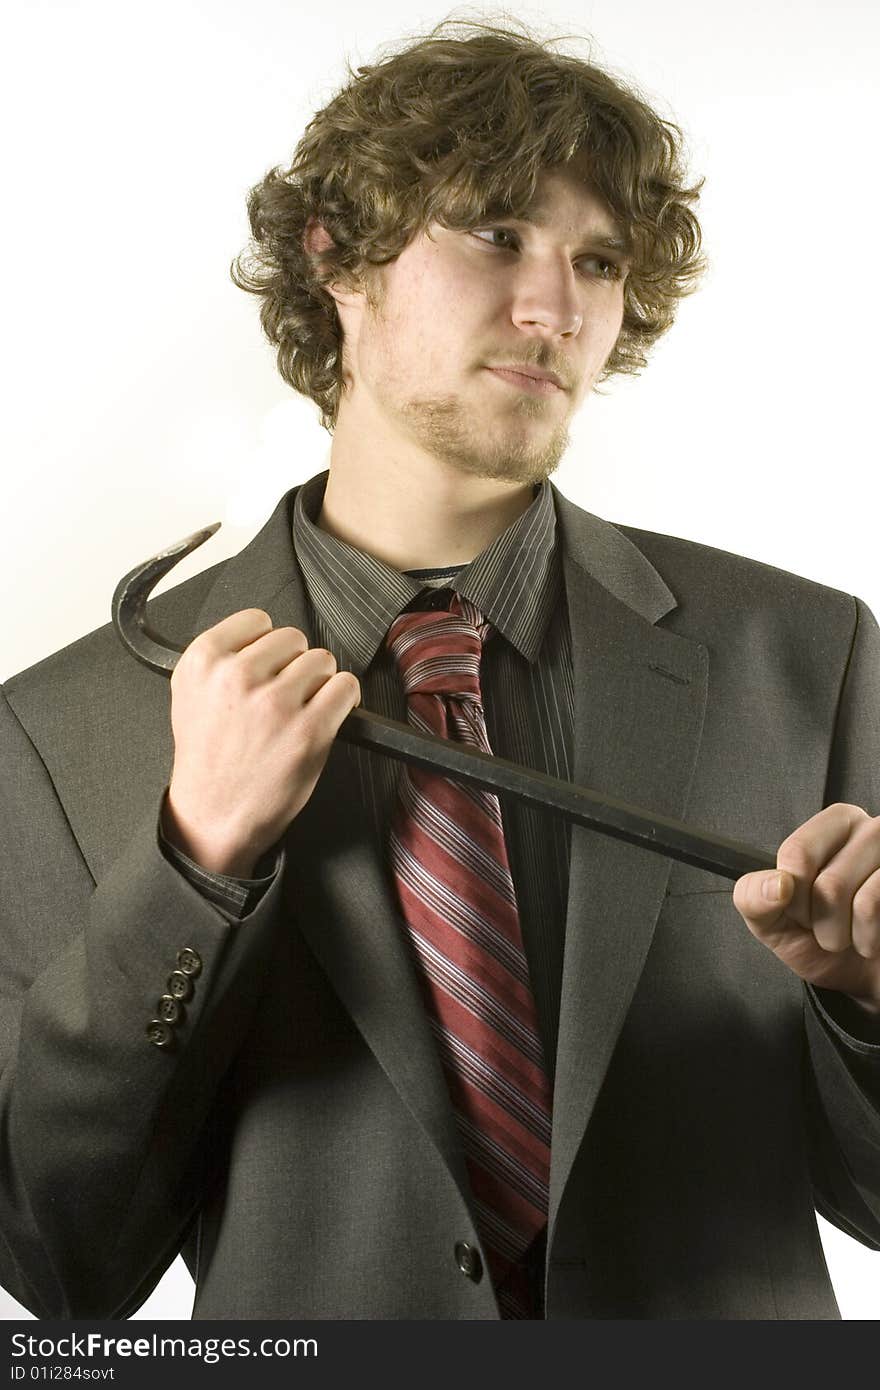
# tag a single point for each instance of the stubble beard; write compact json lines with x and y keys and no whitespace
{"x":447,"y":429}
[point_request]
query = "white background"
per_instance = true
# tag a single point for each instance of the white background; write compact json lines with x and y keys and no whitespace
{"x":143,"y":402}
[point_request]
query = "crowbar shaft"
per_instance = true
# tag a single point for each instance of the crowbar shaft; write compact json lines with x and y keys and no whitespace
{"x":604,"y":814}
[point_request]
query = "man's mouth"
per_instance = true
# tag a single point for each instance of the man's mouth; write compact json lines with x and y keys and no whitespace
{"x":532,"y":379}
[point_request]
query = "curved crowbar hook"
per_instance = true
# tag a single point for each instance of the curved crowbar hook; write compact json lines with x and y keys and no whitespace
{"x":128,"y":608}
{"x":601,"y":813}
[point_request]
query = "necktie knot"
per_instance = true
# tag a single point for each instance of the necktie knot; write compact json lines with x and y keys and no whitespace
{"x":438,"y":652}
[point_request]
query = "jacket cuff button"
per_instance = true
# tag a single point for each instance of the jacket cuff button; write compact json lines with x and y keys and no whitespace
{"x":180,"y":986}
{"x":159,"y":1033}
{"x":189,"y":961}
{"x":169,"y":1009}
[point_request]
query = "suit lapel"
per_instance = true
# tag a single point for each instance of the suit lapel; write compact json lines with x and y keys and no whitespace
{"x":640,"y":694}
{"x":342,"y":901}
{"x":335,"y":881}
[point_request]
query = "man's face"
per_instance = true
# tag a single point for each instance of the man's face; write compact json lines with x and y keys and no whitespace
{"x":424,"y":354}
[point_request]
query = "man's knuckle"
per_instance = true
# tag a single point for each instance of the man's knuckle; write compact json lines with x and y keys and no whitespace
{"x":797,"y":858}
{"x":200,"y":652}
{"x":258,"y":617}
{"x":831,"y":938}
{"x":832,"y":887}
{"x":866,"y":938}
{"x":310,"y":735}
{"x":231,"y":674}
{"x":272,"y":699}
{"x":866,"y":903}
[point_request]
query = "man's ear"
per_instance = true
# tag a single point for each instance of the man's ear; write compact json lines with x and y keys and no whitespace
{"x":316,"y":238}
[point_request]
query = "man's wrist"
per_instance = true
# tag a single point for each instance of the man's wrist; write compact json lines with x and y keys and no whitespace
{"x":202,"y":850}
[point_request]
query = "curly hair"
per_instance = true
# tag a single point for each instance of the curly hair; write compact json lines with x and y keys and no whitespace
{"x":454,"y":129}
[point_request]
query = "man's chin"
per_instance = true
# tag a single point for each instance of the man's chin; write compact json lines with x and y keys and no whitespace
{"x":513,"y":459}
{"x":506,"y":468}
{"x":512,"y":455}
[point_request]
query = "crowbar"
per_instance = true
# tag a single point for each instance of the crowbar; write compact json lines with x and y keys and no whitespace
{"x":594,"y":810}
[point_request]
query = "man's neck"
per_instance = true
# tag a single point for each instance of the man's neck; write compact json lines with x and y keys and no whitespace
{"x":416,"y":513}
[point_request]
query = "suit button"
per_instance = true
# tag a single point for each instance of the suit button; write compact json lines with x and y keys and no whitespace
{"x":189,"y":961}
{"x":180,"y":986}
{"x":169,"y":1009}
{"x":468,"y":1260}
{"x":159,"y":1033}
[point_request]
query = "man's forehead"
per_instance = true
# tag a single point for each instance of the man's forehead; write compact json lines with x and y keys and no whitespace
{"x":569,"y":191}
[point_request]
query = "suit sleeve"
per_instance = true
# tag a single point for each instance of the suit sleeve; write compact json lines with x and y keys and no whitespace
{"x":102,"y":1145}
{"x":843,"y":1049}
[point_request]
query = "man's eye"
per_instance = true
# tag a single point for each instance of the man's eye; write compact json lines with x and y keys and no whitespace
{"x":610,"y":270}
{"x":498,"y":232}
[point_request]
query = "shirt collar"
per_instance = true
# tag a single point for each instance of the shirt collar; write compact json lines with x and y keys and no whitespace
{"x":515,"y":582}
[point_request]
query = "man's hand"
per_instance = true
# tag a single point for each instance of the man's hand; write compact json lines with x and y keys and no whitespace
{"x":824,"y":922}
{"x":254,"y":712}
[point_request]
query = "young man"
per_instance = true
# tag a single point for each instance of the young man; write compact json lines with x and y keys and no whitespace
{"x":363,"y":1043}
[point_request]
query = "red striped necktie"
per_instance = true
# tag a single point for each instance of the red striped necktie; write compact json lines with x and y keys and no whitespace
{"x":457,"y":897}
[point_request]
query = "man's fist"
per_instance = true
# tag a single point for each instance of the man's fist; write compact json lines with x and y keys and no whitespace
{"x":254,"y":711}
{"x":824,"y":922}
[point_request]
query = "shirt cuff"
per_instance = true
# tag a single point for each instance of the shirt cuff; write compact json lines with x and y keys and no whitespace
{"x":236,"y":897}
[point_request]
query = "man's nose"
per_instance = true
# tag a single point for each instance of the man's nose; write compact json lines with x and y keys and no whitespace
{"x":546,"y":300}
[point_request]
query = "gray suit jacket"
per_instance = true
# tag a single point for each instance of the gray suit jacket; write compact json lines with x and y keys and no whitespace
{"x":298,"y":1141}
